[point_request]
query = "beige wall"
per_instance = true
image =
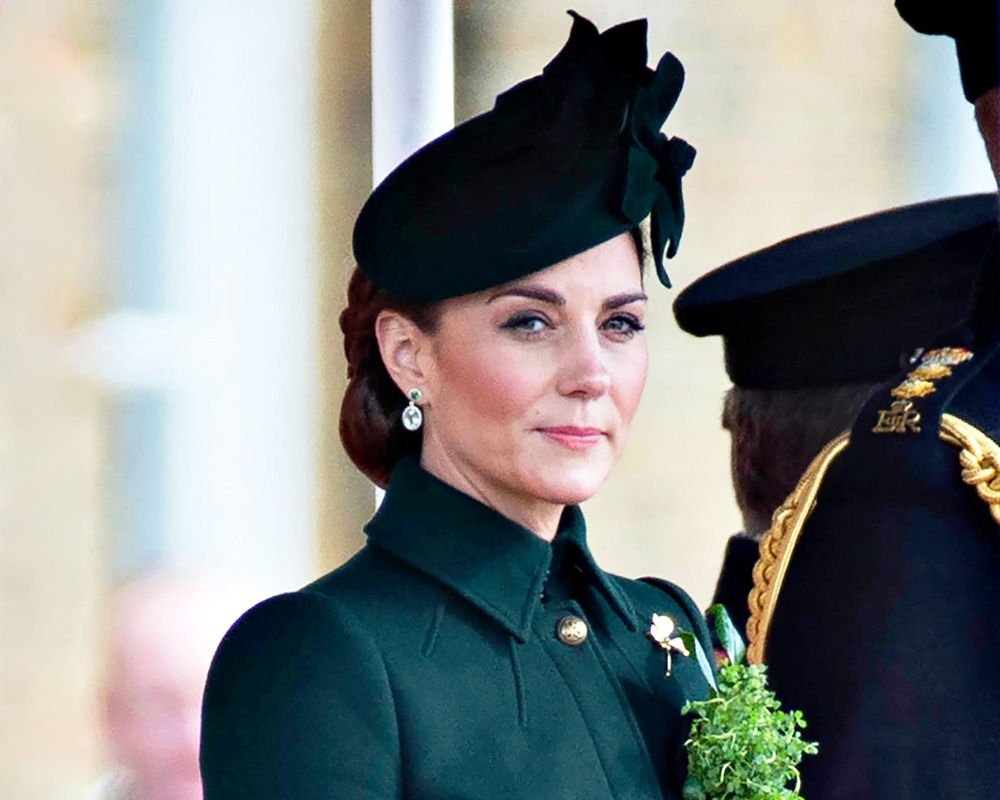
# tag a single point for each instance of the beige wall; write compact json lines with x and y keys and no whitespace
{"x":344,"y":175}
{"x":54,"y":88}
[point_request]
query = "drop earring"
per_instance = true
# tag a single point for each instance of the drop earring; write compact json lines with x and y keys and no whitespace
{"x":413,"y":417}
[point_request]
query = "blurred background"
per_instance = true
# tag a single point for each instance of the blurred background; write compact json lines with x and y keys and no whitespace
{"x":178,"y":183}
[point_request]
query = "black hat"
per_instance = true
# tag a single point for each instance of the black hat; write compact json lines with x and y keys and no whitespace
{"x":846,"y":304}
{"x":563,"y":162}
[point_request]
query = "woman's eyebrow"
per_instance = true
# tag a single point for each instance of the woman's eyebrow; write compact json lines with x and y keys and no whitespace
{"x":532,"y":292}
{"x":619,"y":300}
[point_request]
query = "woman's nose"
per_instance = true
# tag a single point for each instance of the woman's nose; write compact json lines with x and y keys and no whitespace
{"x":583,"y":372}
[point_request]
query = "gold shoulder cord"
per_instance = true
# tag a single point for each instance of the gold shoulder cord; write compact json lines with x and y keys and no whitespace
{"x":777,"y":545}
{"x":980,"y":460}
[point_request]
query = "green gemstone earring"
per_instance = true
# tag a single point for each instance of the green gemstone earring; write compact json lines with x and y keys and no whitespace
{"x":413,"y":417}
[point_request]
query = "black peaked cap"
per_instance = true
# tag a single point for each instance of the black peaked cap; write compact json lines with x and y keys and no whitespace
{"x":563,"y":162}
{"x":845,"y":304}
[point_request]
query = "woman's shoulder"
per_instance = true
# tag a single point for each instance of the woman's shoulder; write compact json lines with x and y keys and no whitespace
{"x":364,"y":607}
{"x":291,"y":613}
{"x":319,"y":611}
{"x":292,"y":664}
{"x":278,"y":635}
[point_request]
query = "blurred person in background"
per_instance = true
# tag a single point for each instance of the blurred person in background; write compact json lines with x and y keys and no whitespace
{"x":163,"y":629}
{"x":473,"y":648}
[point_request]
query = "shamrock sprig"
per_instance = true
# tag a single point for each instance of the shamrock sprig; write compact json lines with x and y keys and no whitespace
{"x":742,"y":746}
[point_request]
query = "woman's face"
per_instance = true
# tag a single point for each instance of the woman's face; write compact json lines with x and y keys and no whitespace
{"x":530,"y":387}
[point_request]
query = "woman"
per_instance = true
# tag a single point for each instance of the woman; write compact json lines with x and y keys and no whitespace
{"x":473,"y":649}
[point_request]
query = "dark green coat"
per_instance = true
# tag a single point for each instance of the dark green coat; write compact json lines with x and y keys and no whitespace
{"x":429,"y":666}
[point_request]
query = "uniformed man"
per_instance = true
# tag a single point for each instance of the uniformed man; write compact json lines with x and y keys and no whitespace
{"x":812,"y":325}
{"x":876,"y":603}
{"x":777,"y":431}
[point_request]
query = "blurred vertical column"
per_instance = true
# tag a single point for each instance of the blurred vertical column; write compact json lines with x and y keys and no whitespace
{"x":413,"y":83}
{"x":239,"y":256}
{"x":212,"y":349}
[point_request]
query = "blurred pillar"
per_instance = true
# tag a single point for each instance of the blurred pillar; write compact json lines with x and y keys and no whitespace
{"x":211,"y":352}
{"x":413,"y":84}
{"x":240,"y":259}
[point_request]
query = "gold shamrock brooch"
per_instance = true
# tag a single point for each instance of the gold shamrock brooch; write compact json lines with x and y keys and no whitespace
{"x":661,"y":631}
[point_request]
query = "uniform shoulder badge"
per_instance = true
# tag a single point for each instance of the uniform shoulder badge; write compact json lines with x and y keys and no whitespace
{"x":934,"y":365}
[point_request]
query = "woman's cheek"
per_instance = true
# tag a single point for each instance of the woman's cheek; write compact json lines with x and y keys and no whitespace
{"x":630,"y":379}
{"x":499,"y":384}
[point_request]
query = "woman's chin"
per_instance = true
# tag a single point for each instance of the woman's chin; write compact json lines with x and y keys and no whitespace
{"x":568,"y":484}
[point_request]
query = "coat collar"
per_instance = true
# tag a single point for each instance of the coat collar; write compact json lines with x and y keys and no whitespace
{"x":497,"y":565}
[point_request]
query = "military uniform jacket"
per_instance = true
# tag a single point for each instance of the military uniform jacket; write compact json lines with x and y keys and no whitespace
{"x":431,"y":666}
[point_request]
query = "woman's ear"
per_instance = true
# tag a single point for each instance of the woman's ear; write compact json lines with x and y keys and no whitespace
{"x":400,"y":342}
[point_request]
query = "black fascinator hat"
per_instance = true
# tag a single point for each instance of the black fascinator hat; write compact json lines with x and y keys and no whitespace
{"x":563,"y":162}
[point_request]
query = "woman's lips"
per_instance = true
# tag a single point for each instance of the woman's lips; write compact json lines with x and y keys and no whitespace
{"x":573,"y":438}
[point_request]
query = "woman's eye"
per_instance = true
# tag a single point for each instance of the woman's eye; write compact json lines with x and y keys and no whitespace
{"x":526,"y":323}
{"x":624,"y":325}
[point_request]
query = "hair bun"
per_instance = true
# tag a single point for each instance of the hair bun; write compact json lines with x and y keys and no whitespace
{"x":371,"y":427}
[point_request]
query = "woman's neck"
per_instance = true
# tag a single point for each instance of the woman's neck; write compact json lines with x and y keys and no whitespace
{"x":536,"y":515}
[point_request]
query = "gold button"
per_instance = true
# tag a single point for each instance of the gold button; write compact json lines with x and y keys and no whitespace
{"x":571,"y":631}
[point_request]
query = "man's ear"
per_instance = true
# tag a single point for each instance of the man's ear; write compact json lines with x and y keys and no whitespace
{"x":400,"y":342}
